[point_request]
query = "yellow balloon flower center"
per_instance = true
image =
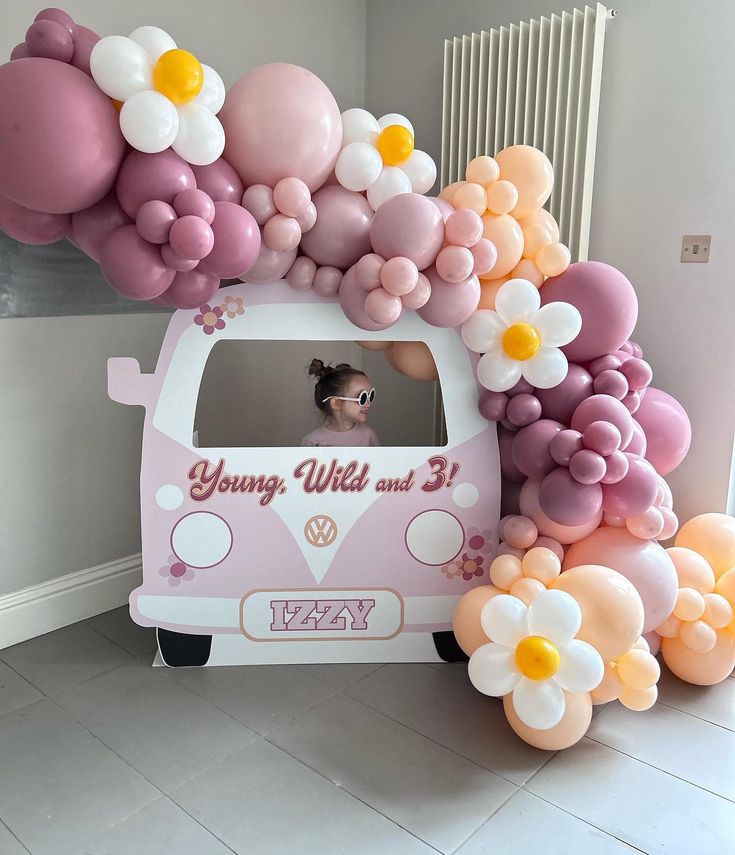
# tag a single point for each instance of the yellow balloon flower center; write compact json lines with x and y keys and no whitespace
{"x":537,"y":658}
{"x":178,"y":75}
{"x":395,"y":144}
{"x":521,"y":341}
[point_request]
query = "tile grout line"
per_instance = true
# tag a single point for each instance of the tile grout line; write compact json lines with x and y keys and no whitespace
{"x":10,"y":831}
{"x":485,"y":822}
{"x":694,"y":715}
{"x":117,"y":644}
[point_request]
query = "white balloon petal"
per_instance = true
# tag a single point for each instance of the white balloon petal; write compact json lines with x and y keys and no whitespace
{"x":421,"y":171}
{"x":391,"y":182}
{"x":554,"y":615}
{"x":557,"y":323}
{"x":580,"y":668}
{"x":504,"y":620}
{"x":539,"y":703}
{"x":149,"y":122}
{"x":517,"y":301}
{"x":497,"y":372}
{"x":153,"y":40}
{"x":394,"y":119}
{"x":201,"y":137}
{"x":120,"y":67}
{"x":492,"y":670}
{"x":483,"y":330}
{"x":358,"y":166}
{"x":212,"y":93}
{"x":546,"y":369}
{"x":359,"y":126}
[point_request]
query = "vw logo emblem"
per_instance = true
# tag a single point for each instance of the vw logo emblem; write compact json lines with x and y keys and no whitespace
{"x":320,"y":530}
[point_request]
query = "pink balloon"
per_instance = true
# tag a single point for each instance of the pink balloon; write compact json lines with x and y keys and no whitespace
{"x":280,"y":121}
{"x":463,"y":228}
{"x":154,"y":221}
{"x":49,"y":39}
{"x":60,"y":140}
{"x":667,"y":429}
{"x":144,"y":177}
{"x":191,"y":237}
{"x":308,"y":218}
{"x":420,"y":294}
{"x":258,"y":199}
{"x":605,"y":299}
{"x":485,"y":255}
{"x":529,"y":502}
{"x":643,"y":562}
{"x":617,"y":468}
{"x":646,"y":525}
{"x":195,"y":203}
{"x":492,"y":405}
{"x":382,"y":307}
{"x":20,"y":51}
{"x":635,"y":492}
{"x":92,"y":226}
{"x":327,"y":281}
{"x":236,"y":242}
{"x":291,"y":197}
{"x":368,"y":270}
{"x":564,"y":445}
{"x":133,"y":266}
{"x":189,"y":290}
{"x":523,"y":410}
{"x":638,"y":373}
{"x":671,"y":523}
{"x":219,"y":181}
{"x":602,"y":437}
{"x":450,"y":304}
{"x":177,"y":262}
{"x":508,"y":468}
{"x":445,"y":209}
{"x":520,"y":532}
{"x":560,"y":402}
{"x":59,"y":16}
{"x":409,"y":225}
{"x":33,"y":227}
{"x":301,"y":275}
{"x":352,"y":300}
{"x":84,"y":40}
{"x":455,"y":263}
{"x":587,"y":467}
{"x":632,"y":401}
{"x":531,"y":452}
{"x":341,"y":235}
{"x":568,"y":502}
{"x":281,"y":233}
{"x":638,"y":442}
{"x":399,"y":276}
{"x":604,"y":408}
{"x":270,"y":266}
{"x":611,"y":383}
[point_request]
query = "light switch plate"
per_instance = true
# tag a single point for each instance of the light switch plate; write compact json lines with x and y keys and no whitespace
{"x":695,"y":249}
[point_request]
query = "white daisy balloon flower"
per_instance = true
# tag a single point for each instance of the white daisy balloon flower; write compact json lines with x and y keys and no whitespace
{"x":534,"y":655}
{"x":378,"y":156}
{"x":168,"y":97}
{"x":521,"y":338}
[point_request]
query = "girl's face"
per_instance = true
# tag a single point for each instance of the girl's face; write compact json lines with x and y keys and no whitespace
{"x":351,"y":411}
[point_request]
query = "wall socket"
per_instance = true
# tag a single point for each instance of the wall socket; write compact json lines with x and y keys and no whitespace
{"x":695,"y":249}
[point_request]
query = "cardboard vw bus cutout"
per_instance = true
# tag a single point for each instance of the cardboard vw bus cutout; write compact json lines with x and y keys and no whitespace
{"x":296,"y":555}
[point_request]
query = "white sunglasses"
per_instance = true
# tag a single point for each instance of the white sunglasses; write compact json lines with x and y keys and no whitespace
{"x":363,"y":398}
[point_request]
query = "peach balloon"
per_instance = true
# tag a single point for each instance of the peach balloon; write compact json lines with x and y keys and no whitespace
{"x":414,"y":359}
{"x":698,"y":636}
{"x":388,"y":353}
{"x":541,"y":564}
{"x":638,"y":669}
{"x":610,"y":687}
{"x":527,"y":590}
{"x":471,"y":196}
{"x":531,"y":172}
{"x":488,"y":290}
{"x":713,"y":537}
{"x":448,"y":192}
{"x":572,"y":727}
{"x":466,"y":620}
{"x":612,"y":611}
{"x":375,"y":345}
{"x":536,"y":237}
{"x":689,"y":604}
{"x":718,"y":612}
{"x":507,"y":236}
{"x":638,"y":700}
{"x":542,"y":217}
{"x":553,"y":259}
{"x":670,"y":627}
{"x":502,"y":197}
{"x":693,"y":570}
{"x":701,"y":669}
{"x":483,"y":170}
{"x":548,"y":528}
{"x":505,"y":571}
{"x":526,"y":269}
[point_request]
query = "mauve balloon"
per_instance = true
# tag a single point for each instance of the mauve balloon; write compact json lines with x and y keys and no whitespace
{"x":35,"y":227}
{"x":270,"y":266}
{"x":144,"y":177}
{"x":508,"y":468}
{"x":189,"y":290}
{"x":408,"y":225}
{"x":604,"y":408}
{"x":667,"y":429}
{"x":352,"y":300}
{"x":219,"y":181}
{"x":635,"y":493}
{"x":567,"y":502}
{"x":84,"y":40}
{"x":560,"y":402}
{"x":236,"y":242}
{"x":133,"y":266}
{"x":341,"y":235}
{"x":531,"y":448}
{"x":450,"y":304}
{"x":92,"y":226}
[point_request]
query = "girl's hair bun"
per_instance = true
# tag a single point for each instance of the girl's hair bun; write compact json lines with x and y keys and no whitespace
{"x":318,"y":369}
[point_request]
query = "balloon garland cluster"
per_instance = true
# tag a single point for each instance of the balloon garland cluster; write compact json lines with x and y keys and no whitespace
{"x":130,"y":147}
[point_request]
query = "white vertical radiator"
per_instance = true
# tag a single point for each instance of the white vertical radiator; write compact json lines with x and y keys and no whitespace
{"x":536,"y":83}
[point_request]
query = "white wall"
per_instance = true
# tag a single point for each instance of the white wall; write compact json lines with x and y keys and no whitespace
{"x":665,"y":167}
{"x":71,"y":457}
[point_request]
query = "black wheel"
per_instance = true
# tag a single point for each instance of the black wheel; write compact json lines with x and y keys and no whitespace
{"x":179,"y":650}
{"x":447,"y":647}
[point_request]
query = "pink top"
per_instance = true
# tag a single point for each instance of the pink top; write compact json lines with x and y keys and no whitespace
{"x":359,"y":435}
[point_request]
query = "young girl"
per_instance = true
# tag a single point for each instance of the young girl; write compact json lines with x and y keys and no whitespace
{"x":344,"y":395}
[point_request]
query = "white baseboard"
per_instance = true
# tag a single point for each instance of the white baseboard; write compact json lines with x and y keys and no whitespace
{"x":59,"y":602}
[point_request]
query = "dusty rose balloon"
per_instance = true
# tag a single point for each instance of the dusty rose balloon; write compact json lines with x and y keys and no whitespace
{"x":605,"y":409}
{"x":154,"y":221}
{"x":602,"y":437}
{"x":34,"y":227}
{"x":508,"y":469}
{"x":20,"y":51}
{"x":638,"y":442}
{"x":382,"y":307}
{"x":444,"y":207}
{"x":564,"y":445}
{"x":617,"y":468}
{"x":568,"y":502}
{"x":281,"y":233}
{"x":410,"y":225}
{"x":399,"y":276}
{"x":236,"y":242}
{"x":485,"y":256}
{"x":191,"y":237}
{"x":587,"y":467}
{"x":291,"y":196}
{"x":133,"y":266}
{"x":560,"y":402}
{"x":327,"y":281}
{"x":463,"y":228}
{"x":531,"y":448}
{"x":308,"y":218}
{"x":219,"y":181}
{"x":84,"y":40}
{"x":49,"y":39}
{"x":58,"y":16}
{"x":270,"y":266}
{"x":455,"y":263}
{"x":301,"y":275}
{"x":611,"y":383}
{"x":492,"y":405}
{"x":341,"y":234}
{"x":368,"y":270}
{"x":643,"y":562}
{"x":352,"y":300}
{"x":523,"y":410}
{"x":280,"y":120}
{"x":177,"y":262}
{"x":634,"y":493}
{"x":195,"y":203}
{"x":529,"y":504}
{"x":549,"y":543}
{"x":190,"y":290}
{"x":605,"y":299}
{"x":258,"y":199}
{"x":667,"y":429}
{"x":419,"y":295}
{"x":638,"y":373}
{"x":450,"y":304}
{"x":92,"y":226}
{"x":159,"y":176}
{"x":60,"y":140}
{"x":520,"y":532}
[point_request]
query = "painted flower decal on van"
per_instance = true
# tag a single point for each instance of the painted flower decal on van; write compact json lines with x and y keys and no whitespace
{"x":210,"y":319}
{"x":233,"y":306}
{"x":176,"y":571}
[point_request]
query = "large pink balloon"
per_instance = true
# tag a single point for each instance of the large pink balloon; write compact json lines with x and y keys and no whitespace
{"x":341,"y":235}
{"x":352,"y":300}
{"x":605,"y":299}
{"x":450,"y":304}
{"x":270,"y":266}
{"x":408,"y":225}
{"x":667,"y":428}
{"x":280,"y":120}
{"x":60,"y":140}
{"x":236,"y":242}
{"x":529,"y":505}
{"x":566,"y":501}
{"x":560,"y":402}
{"x":144,"y":177}
{"x":643,"y":562}
{"x":133,"y":266}
{"x":189,"y":290}
{"x":219,"y":181}
{"x":93,"y":226}
{"x":30,"y":226}
{"x":635,"y":493}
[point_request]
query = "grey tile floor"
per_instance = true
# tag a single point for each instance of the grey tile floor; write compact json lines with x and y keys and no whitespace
{"x":100,"y":753}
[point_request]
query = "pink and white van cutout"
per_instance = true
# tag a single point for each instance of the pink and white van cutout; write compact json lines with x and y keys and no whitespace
{"x":296,"y":555}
